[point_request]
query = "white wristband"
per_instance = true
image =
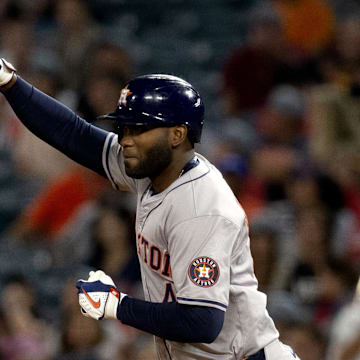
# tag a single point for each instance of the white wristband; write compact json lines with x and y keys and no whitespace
{"x":113,"y":301}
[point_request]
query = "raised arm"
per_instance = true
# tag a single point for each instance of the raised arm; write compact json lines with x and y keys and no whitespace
{"x":53,"y":122}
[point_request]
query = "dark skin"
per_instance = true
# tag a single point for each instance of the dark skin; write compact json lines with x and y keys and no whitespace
{"x":159,"y":153}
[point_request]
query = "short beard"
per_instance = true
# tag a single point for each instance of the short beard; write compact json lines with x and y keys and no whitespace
{"x":158,"y":158}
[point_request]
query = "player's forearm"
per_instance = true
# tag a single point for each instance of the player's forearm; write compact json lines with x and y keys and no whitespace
{"x":56,"y":124}
{"x":172,"y":321}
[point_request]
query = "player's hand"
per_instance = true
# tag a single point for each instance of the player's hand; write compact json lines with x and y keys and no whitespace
{"x":6,"y":72}
{"x":98,"y":296}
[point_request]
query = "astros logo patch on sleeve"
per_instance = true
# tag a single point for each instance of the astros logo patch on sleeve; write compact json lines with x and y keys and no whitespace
{"x":204,"y":271}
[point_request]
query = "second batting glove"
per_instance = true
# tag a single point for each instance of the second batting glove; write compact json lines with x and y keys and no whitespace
{"x":98,"y":296}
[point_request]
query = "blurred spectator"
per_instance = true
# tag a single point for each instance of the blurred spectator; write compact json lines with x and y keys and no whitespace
{"x":351,"y":185}
{"x":47,"y":80}
{"x":335,"y":136}
{"x":235,"y":171}
{"x":76,"y":32}
{"x":334,"y":114}
{"x":16,"y":42}
{"x":99,"y":96}
{"x":80,"y":338}
{"x":109,"y":58}
{"x":249,"y":72}
{"x":310,"y":189}
{"x":3,"y":6}
{"x":265,"y":60}
{"x":103,"y":73}
{"x":344,"y":338}
{"x":339,"y":63}
{"x":142,"y":348}
{"x":281,"y":121}
{"x":345,"y":7}
{"x":27,"y":337}
{"x":309,"y":25}
{"x":32,"y":11}
{"x":114,"y":245}
{"x":58,"y":219}
{"x":305,"y":192}
{"x":273,"y":178}
{"x":312,"y":253}
{"x":283,"y":143}
{"x":231,"y":135}
{"x":263,"y":246}
{"x":337,"y":282}
{"x":47,"y":162}
{"x":16,"y":190}
{"x":305,"y":339}
{"x":287,"y":309}
{"x":51,"y":212}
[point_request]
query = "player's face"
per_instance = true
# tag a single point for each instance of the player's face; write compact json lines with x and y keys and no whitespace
{"x":147,"y":152}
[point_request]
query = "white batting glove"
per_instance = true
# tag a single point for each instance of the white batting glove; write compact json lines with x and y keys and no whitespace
{"x":98,"y":296}
{"x":6,"y":72}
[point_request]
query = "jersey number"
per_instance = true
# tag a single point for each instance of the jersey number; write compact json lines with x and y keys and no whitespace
{"x":169,"y":293}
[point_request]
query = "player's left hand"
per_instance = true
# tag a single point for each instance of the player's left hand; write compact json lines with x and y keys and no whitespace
{"x":98,"y":296}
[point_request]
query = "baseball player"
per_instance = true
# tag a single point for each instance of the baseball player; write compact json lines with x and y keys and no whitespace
{"x":201,"y":296}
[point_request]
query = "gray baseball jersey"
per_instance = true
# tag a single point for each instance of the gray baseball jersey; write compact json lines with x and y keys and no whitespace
{"x":193,"y":247}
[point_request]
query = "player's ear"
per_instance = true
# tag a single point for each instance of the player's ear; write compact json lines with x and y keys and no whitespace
{"x":177,"y":135}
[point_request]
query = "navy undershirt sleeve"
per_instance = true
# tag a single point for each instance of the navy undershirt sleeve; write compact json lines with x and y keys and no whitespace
{"x":57,"y":125}
{"x":172,"y":321}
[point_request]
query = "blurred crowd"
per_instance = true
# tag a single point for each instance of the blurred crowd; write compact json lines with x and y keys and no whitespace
{"x":282,"y":124}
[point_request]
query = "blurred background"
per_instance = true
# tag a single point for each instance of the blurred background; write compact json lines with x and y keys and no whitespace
{"x":281,"y":84}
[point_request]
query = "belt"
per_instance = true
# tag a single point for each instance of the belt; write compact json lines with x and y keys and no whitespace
{"x":260,"y":355}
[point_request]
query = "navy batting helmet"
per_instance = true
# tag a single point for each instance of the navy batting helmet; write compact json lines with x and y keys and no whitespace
{"x":160,"y":100}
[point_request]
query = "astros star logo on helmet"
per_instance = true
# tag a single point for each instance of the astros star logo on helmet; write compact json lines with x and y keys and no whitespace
{"x":125,"y":92}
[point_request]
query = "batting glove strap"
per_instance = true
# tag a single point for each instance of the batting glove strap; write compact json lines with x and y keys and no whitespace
{"x":7,"y":71}
{"x":113,"y":303}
